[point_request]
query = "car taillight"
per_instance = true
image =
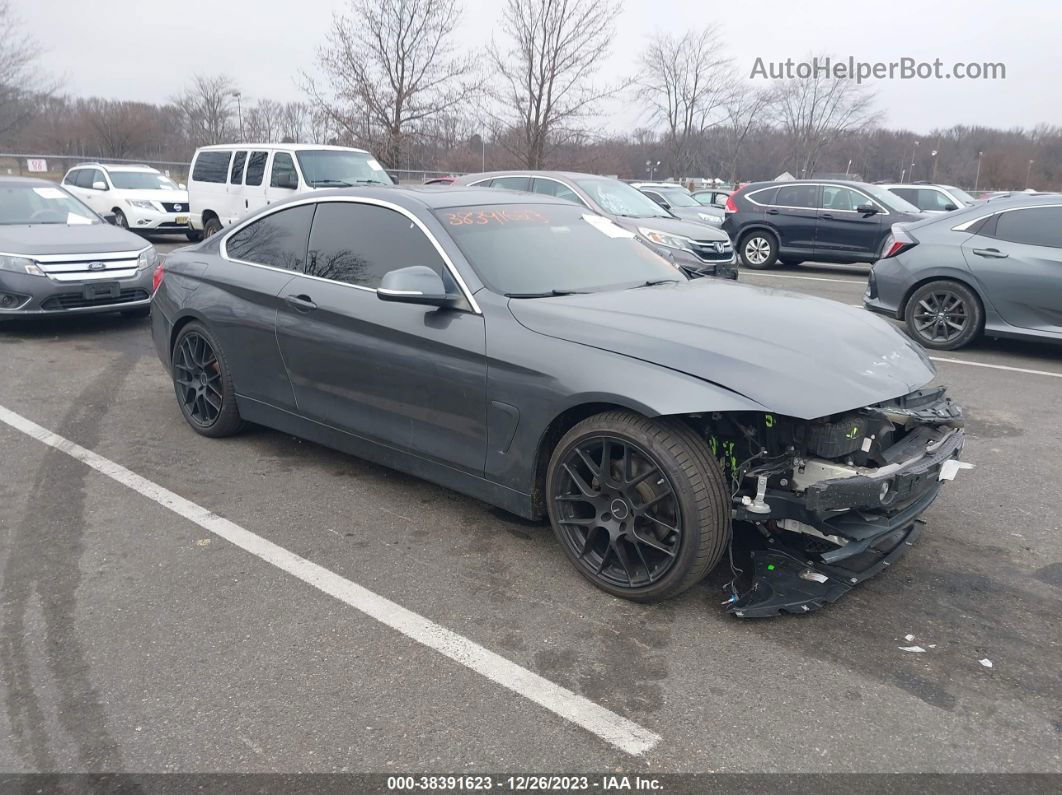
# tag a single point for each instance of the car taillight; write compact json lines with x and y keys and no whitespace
{"x":730,"y":206}
{"x":156,"y":277}
{"x":897,"y":242}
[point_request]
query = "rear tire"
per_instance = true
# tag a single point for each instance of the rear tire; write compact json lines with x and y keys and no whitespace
{"x":758,"y":250}
{"x":202,"y":382}
{"x":650,"y":521}
{"x":944,"y":315}
{"x":211,"y":226}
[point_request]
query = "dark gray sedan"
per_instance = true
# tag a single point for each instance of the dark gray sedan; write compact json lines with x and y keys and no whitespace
{"x":695,"y":246}
{"x":59,"y":257}
{"x":541,"y":358}
{"x":992,"y":269}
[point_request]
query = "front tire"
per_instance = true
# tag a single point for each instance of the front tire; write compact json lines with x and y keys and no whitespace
{"x":193,"y":235}
{"x":944,"y":315}
{"x":202,"y":382}
{"x":639,"y":505}
{"x":758,"y":250}
{"x":120,"y":219}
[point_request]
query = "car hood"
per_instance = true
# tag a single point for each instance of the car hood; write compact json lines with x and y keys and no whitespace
{"x":791,"y":353}
{"x":694,"y":213}
{"x":699,"y":230}
{"x":177,"y":196}
{"x":38,"y":239}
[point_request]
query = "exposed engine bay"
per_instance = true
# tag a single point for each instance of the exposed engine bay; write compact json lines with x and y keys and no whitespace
{"x":833,"y":501}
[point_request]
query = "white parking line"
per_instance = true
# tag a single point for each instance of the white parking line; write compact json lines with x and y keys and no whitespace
{"x":745,"y":273}
{"x":615,"y":729}
{"x":996,"y":366}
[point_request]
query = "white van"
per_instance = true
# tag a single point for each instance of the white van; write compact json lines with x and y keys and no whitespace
{"x":228,"y":181}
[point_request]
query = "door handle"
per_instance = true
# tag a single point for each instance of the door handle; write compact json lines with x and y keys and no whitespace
{"x":826,"y":215}
{"x":302,"y":303}
{"x":772,"y":212}
{"x":990,"y":253}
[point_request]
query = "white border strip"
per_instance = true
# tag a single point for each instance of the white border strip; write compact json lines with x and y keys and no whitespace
{"x":615,"y":729}
{"x":996,"y":366}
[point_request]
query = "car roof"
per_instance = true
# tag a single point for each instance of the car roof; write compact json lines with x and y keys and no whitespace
{"x":435,"y":197}
{"x":10,"y":181}
{"x":525,"y":172}
{"x":288,"y":147}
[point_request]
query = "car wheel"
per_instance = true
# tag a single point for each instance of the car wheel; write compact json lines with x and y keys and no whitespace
{"x":120,"y":219}
{"x":211,"y":226}
{"x":203,"y":383}
{"x":944,"y":315}
{"x":758,"y":250}
{"x":140,"y":311}
{"x":194,"y":236}
{"x":640,"y":506}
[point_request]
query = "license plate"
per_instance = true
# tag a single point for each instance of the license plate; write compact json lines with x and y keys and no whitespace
{"x":181,"y":219}
{"x":94,"y":292}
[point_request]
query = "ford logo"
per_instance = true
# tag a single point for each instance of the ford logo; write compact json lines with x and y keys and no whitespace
{"x":97,"y":266}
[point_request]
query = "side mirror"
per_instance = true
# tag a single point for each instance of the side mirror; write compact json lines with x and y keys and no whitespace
{"x":99,"y":186}
{"x":950,"y":207}
{"x":417,"y":284}
{"x":867,"y":209}
{"x":110,"y":218}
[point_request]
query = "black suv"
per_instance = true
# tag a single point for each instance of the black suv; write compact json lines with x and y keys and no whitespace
{"x":823,"y":220}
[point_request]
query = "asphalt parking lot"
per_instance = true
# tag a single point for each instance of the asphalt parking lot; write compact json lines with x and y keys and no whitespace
{"x":134,"y":639}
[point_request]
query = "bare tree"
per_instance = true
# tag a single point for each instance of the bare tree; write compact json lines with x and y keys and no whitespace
{"x":264,"y":121}
{"x":745,"y":109}
{"x":816,"y":112}
{"x":120,"y":129}
{"x":687,"y":85}
{"x":21,"y":84}
{"x":546,"y":71}
{"x":207,"y":107}
{"x":392,"y":66}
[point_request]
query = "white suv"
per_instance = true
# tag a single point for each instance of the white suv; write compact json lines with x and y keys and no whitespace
{"x":140,"y":197}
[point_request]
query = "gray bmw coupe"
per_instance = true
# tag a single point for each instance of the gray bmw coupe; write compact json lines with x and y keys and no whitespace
{"x":544,"y":359}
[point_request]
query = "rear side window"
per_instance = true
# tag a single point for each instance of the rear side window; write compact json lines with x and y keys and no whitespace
{"x":1035,"y":226}
{"x":764,"y":196}
{"x":283,"y":173}
{"x":256,"y":164}
{"x":278,"y":239}
{"x":236,"y":174}
{"x":907,"y":194}
{"x":798,"y":196}
{"x":211,"y":166}
{"x":358,"y":243}
{"x":929,"y":199}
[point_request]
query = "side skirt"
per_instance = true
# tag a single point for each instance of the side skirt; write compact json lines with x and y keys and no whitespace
{"x":472,"y":485}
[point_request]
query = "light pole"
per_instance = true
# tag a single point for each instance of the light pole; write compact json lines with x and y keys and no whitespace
{"x":914,"y":155}
{"x":651,"y":167}
{"x":1028,"y":173}
{"x":977,"y":177}
{"x":483,"y":154}
{"x":239,"y":111}
{"x":934,"y":155}
{"x":849,"y":167}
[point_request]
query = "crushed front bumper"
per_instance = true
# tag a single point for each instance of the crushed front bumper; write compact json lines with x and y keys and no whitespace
{"x":855,"y":533}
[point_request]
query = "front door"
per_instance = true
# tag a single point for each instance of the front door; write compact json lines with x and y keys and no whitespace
{"x":845,"y":233}
{"x":407,"y":376}
{"x":283,"y":178}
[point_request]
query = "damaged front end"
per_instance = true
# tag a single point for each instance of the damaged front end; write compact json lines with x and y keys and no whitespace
{"x":834,"y":500}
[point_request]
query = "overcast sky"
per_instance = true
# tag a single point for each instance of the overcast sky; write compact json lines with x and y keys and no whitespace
{"x":147,"y":50}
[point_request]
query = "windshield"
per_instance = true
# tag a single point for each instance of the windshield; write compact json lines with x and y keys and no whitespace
{"x":677,"y":197}
{"x":42,"y":204}
{"x":961,"y":195}
{"x":532,"y":250}
{"x":141,"y":180}
{"x":889,"y":199}
{"x":619,"y":198}
{"x":335,"y":168}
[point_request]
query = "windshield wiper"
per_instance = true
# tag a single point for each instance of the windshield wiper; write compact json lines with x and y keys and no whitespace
{"x":336,"y":182}
{"x":547,"y":294}
{"x":369,"y":182}
{"x":654,"y":282}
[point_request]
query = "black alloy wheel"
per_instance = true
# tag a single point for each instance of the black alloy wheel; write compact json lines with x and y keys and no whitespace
{"x":638,"y":506}
{"x":943,"y":315}
{"x":202,"y":383}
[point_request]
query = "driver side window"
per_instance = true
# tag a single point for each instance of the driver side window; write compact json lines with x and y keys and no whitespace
{"x":357,"y":244}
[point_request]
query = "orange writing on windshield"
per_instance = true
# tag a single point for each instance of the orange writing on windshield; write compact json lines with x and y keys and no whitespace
{"x":502,"y":217}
